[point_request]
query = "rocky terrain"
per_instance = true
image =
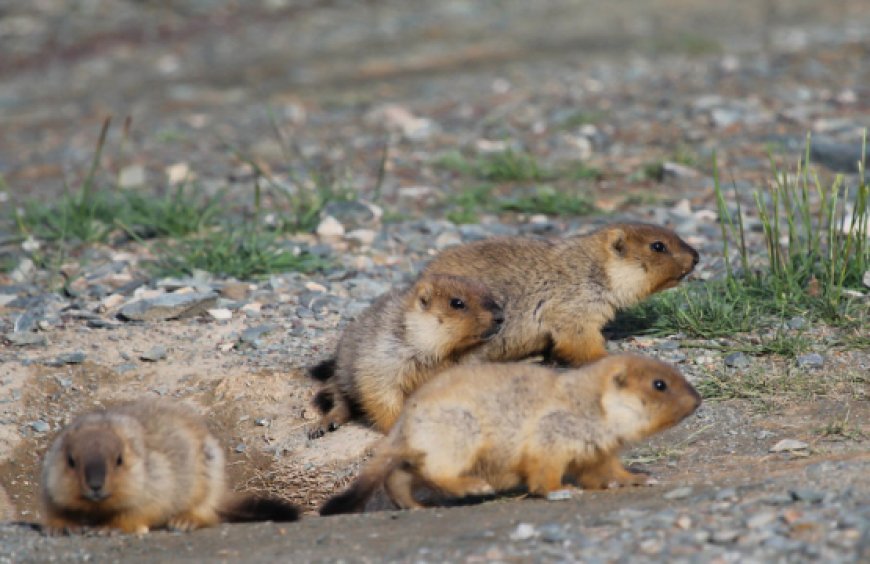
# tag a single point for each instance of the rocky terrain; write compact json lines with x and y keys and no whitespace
{"x":404,"y":108}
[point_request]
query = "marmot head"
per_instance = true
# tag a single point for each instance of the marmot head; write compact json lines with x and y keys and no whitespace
{"x":642,"y":395}
{"x":645,"y":259}
{"x":95,"y":466}
{"x":449,"y":314}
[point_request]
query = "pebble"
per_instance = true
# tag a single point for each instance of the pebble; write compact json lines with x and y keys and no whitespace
{"x":724,"y":536}
{"x":236,"y":291}
{"x":866,"y":279}
{"x":737,"y":360}
{"x":23,"y":339}
{"x":154,"y":354}
{"x":77,"y":357}
{"x":252,"y":334}
{"x":678,"y":493}
{"x":40,"y":426}
{"x":811,"y":360}
{"x":787,"y":445}
{"x":560,"y":495}
{"x":524,"y":531}
{"x":761,"y":519}
{"x":809,"y":496}
{"x":169,"y":306}
{"x":220,"y":314}
{"x":330,"y":228}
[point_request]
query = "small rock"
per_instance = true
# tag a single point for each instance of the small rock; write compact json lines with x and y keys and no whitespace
{"x":447,"y":239}
{"x":354,"y":214}
{"x":683,"y":522}
{"x":131,"y":176}
{"x":220,"y":314}
{"x":679,"y":493}
{"x":811,"y":360}
{"x":552,"y":532}
{"x":866,"y":279}
{"x":169,"y":306}
{"x":251,"y":334}
{"x":797,"y":322}
{"x":524,"y":531}
{"x":737,"y":360}
{"x":724,"y":536}
{"x":20,"y":339}
{"x":23,"y":272}
{"x":240,"y":448}
{"x":236,"y":291}
{"x":809,"y":496}
{"x":787,"y":445}
{"x":651,"y":546}
{"x":154,"y":354}
{"x":40,"y":426}
{"x":330,"y":228}
{"x":261,"y":422}
{"x":362,"y":237}
{"x":726,"y":494}
{"x":559,"y":495}
{"x":778,"y":499}
{"x":761,"y":519}
{"x":77,"y":357}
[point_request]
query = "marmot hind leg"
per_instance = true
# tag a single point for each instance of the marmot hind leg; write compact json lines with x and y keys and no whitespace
{"x":579,"y":349}
{"x":332,"y":419}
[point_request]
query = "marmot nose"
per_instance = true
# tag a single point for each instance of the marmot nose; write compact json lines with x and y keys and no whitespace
{"x":498,"y":318}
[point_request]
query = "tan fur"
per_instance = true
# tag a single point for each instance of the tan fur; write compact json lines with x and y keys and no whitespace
{"x":136,"y":466}
{"x":485,"y":428}
{"x":557,"y":295}
{"x":400,"y":342}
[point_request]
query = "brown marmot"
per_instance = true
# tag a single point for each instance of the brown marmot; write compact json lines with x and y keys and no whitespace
{"x":557,"y":295}
{"x":480,"y":429}
{"x":399,"y":342}
{"x":142,"y":465}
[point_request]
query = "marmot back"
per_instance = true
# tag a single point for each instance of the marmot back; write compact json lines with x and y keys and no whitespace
{"x":480,"y":429}
{"x":142,"y":465}
{"x":557,"y":295}
{"x":402,"y":340}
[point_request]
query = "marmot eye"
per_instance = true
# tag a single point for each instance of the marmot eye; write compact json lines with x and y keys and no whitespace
{"x":660,"y":385}
{"x":71,"y":461}
{"x":658,"y":247}
{"x":456,"y":303}
{"x":120,"y":460}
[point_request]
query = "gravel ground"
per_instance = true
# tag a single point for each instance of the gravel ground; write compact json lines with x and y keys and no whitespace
{"x":665,"y":82}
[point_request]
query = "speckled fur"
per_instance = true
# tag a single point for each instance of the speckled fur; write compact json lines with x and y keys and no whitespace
{"x":479,"y":429}
{"x":404,"y":338}
{"x":161,"y":467}
{"x":557,"y":295}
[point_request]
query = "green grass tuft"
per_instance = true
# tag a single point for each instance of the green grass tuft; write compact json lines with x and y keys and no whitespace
{"x":242,"y":253}
{"x":504,"y":166}
{"x":816,"y":250}
{"x":548,"y":200}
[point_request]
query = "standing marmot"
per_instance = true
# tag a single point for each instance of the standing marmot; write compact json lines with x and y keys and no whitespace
{"x":398,"y":343}
{"x":557,"y":295}
{"x":479,"y":429}
{"x":142,"y":465}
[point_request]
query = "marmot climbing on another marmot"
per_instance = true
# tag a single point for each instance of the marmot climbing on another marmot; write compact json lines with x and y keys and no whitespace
{"x":480,"y":429}
{"x":143,"y":465}
{"x":557,"y":295}
{"x":398,"y":343}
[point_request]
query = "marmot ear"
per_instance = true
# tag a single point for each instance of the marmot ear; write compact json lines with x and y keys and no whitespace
{"x":424,"y":295}
{"x":616,"y":241}
{"x":620,"y":379}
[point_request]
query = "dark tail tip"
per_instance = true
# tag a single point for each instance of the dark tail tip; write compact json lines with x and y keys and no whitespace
{"x":252,"y":508}
{"x":352,"y":500}
{"x":323,"y":371}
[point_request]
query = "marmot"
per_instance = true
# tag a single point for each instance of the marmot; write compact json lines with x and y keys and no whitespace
{"x":142,"y":465}
{"x":557,"y":295}
{"x":398,"y":343}
{"x":480,"y":429}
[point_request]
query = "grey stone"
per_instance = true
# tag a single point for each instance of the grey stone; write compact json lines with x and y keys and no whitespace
{"x":761,"y":519}
{"x":724,"y":536}
{"x":552,"y":532}
{"x":351,"y":214}
{"x":786,"y":445}
{"x":24,"y":339}
{"x":154,"y":354}
{"x":679,"y":493}
{"x":842,"y":157}
{"x":252,"y":334}
{"x":807,"y":495}
{"x":726,"y":494}
{"x":169,"y":306}
{"x":40,"y":426}
{"x":797,"y":323}
{"x":737,"y":360}
{"x":811,"y":360}
{"x":240,"y":448}
{"x":866,"y":279}
{"x":76,"y":357}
